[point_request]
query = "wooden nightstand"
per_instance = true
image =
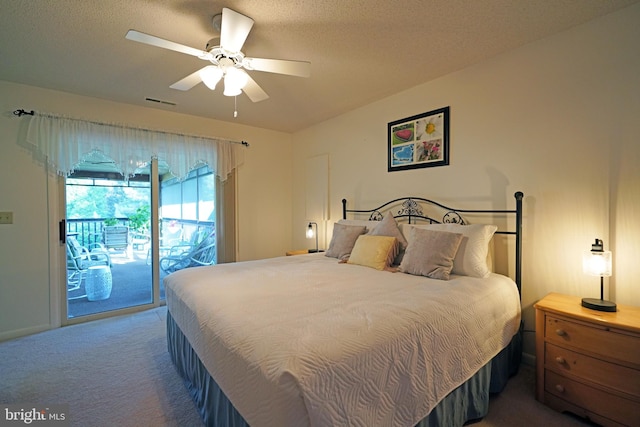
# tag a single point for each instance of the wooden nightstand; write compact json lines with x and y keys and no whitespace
{"x":302,"y":252}
{"x":587,"y":361}
{"x":298,"y":252}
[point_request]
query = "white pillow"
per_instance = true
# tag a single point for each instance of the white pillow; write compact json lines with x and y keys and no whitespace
{"x":471,"y":258}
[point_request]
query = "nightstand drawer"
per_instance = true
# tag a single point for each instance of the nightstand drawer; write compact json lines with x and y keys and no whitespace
{"x":611,"y":375}
{"x":600,"y":340}
{"x":596,"y":401}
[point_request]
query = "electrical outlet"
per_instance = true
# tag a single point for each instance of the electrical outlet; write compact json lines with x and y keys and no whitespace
{"x":6,"y":217}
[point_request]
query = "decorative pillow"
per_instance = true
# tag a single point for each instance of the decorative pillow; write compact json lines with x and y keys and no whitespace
{"x":430,"y":253}
{"x":343,"y":239}
{"x":471,"y":259}
{"x":373,"y":251}
{"x":389,"y":227}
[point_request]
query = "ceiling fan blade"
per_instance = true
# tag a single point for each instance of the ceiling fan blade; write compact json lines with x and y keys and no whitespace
{"x":190,"y":81}
{"x":253,"y":91}
{"x":279,"y":66}
{"x":234,"y":30}
{"x":137,"y":36}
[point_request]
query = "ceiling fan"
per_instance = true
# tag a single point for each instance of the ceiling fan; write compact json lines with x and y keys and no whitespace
{"x":227,"y":60}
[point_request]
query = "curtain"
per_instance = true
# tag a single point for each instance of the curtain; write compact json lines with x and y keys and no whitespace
{"x":226,"y":219}
{"x":66,"y":142}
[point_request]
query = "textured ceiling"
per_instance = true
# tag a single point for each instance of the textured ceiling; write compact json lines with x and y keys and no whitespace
{"x":360,"y":50}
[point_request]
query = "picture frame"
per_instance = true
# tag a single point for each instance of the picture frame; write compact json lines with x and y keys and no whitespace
{"x":420,"y":141}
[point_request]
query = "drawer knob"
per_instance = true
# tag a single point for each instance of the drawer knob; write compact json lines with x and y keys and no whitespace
{"x":560,"y":332}
{"x":561,"y":360}
{"x":560,"y":388}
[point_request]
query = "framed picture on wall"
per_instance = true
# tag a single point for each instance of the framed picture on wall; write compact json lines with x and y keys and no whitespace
{"x":420,"y":141}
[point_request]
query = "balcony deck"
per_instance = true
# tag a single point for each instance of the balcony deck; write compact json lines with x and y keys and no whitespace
{"x":131,"y":274}
{"x":131,"y":285}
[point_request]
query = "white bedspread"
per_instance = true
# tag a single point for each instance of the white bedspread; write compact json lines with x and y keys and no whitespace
{"x":305,"y":341}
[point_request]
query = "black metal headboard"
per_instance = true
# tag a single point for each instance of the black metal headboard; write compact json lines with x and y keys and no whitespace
{"x":417,"y":208}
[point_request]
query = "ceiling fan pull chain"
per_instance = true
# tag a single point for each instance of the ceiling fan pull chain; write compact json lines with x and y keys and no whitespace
{"x":235,"y":106}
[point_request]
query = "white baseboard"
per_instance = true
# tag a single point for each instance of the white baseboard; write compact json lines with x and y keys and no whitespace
{"x":9,"y":335}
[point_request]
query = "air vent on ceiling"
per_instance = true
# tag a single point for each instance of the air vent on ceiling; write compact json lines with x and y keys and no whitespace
{"x":159,"y":101}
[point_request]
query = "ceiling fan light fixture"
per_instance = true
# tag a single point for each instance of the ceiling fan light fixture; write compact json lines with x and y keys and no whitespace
{"x":234,"y":80}
{"x":210,"y":76}
{"x":231,"y":91}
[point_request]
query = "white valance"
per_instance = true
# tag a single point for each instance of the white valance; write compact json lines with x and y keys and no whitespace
{"x":66,"y":142}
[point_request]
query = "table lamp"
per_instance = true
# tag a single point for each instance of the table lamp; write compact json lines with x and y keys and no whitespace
{"x":597,"y":262}
{"x":311,"y":233}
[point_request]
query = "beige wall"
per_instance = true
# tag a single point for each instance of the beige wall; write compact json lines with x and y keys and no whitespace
{"x":27,"y":190}
{"x":556,"y":119}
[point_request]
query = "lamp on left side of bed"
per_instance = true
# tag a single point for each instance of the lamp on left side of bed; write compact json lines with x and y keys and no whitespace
{"x":311,"y":233}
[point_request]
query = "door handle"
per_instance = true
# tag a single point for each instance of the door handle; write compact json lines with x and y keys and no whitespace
{"x":62,"y":230}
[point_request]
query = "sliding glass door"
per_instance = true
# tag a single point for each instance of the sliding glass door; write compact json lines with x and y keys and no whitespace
{"x":108,"y":242}
{"x":119,"y":247}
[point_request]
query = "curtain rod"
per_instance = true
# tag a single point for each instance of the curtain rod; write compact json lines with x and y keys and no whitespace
{"x":21,"y":112}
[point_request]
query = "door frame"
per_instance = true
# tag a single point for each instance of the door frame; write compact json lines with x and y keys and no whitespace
{"x":58,"y":257}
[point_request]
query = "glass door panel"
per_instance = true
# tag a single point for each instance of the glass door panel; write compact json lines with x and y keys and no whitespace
{"x":108,"y":242}
{"x":187,"y":222}
{"x":112,"y":261}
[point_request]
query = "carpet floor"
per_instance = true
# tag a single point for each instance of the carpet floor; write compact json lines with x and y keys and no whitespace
{"x":117,"y":372}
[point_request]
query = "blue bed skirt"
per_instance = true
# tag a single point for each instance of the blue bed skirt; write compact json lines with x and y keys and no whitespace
{"x":468,"y":402}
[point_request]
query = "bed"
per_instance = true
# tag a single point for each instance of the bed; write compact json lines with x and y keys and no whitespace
{"x":381,"y":329}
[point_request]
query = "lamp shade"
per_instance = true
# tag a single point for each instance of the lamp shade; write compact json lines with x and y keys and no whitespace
{"x":595,"y":263}
{"x":310,"y":232}
{"x":234,"y":80}
{"x":210,"y":76}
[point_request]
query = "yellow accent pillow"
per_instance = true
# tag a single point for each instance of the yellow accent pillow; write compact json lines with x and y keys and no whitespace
{"x":372,"y":251}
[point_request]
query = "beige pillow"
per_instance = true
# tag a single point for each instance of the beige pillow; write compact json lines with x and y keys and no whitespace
{"x":430,"y":253}
{"x":389,"y":227}
{"x":373,"y":251}
{"x":471,"y":259}
{"x":343,"y":239}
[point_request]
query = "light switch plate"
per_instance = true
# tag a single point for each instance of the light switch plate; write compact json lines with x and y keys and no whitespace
{"x":6,"y":217}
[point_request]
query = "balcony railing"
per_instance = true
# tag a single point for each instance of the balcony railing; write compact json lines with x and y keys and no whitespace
{"x":90,"y":230}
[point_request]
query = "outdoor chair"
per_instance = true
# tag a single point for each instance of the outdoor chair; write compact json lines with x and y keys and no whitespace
{"x":169,"y":237}
{"x":187,"y":255}
{"x":139,"y":240}
{"x":80,"y":258}
{"x":116,"y":237}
